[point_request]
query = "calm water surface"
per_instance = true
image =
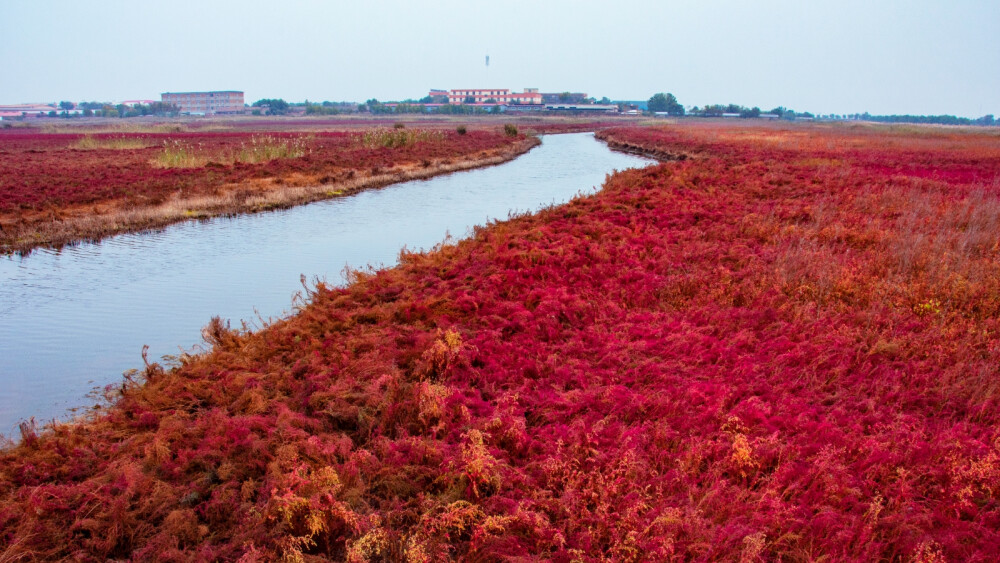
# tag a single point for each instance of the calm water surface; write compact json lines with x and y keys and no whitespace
{"x":76,"y":319}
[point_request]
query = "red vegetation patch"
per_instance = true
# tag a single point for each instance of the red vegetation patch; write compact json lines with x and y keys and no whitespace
{"x":41,"y":171}
{"x":776,"y":349}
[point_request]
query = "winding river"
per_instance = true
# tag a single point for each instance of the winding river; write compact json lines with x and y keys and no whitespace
{"x":74,"y":320}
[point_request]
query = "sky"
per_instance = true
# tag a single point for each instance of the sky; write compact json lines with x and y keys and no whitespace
{"x":849,"y":56}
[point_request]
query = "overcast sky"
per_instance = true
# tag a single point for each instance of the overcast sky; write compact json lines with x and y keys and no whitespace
{"x":847,"y":56}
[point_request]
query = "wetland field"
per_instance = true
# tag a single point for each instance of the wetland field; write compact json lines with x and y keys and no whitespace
{"x":781,"y":341}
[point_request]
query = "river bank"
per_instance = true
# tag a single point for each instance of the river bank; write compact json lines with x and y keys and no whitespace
{"x":215,"y":189}
{"x":75,"y":318}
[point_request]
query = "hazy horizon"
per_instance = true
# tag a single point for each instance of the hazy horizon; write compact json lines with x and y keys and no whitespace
{"x":842,"y":58}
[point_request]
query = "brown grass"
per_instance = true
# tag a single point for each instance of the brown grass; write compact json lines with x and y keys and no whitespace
{"x":89,"y":142}
{"x":260,"y":148}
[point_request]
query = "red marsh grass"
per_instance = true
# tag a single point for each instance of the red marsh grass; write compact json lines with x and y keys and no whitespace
{"x":784,"y":347}
{"x":59,"y":188}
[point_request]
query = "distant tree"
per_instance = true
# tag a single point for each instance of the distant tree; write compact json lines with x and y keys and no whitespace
{"x":565,"y":97}
{"x":673,"y":107}
{"x":604,"y":101}
{"x":410,"y":108}
{"x":713,"y":110}
{"x":377,"y":107}
{"x":320,"y":109}
{"x":66,"y":106}
{"x":665,"y":103}
{"x":470,"y":99}
{"x":276,"y":106}
{"x":461,"y":109}
{"x":751,"y":112}
{"x":657,"y":103}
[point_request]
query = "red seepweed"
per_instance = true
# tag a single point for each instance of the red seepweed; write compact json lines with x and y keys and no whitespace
{"x":40,"y":171}
{"x":783,"y":346}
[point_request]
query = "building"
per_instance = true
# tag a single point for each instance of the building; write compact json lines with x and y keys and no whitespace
{"x":583,"y":108}
{"x":205,"y":103}
{"x":133,"y":103}
{"x":16,"y":111}
{"x":499,"y":96}
{"x":564,"y":98}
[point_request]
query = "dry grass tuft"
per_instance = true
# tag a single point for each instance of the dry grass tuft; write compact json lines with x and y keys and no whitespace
{"x":260,"y":148}
{"x":396,"y":137}
{"x":89,"y":142}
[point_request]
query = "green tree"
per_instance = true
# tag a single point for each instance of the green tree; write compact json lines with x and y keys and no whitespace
{"x":665,"y":103}
{"x":273,"y":106}
{"x":657,"y":103}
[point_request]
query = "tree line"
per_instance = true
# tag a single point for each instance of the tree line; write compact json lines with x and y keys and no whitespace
{"x":667,"y":103}
{"x":107,"y":109}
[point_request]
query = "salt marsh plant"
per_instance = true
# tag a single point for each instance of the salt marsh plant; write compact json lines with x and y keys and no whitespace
{"x":719,"y":358}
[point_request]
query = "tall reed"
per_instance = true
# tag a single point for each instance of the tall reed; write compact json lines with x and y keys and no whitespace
{"x":120,"y":142}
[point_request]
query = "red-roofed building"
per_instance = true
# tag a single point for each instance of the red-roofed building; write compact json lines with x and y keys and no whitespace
{"x":501,"y":96}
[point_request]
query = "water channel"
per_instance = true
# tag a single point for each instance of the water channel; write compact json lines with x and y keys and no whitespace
{"x":76,"y":319}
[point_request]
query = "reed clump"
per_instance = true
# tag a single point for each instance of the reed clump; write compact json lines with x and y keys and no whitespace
{"x":260,"y":148}
{"x":396,"y":138}
{"x":118,"y":142}
{"x":180,"y":154}
{"x":265,"y":148}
